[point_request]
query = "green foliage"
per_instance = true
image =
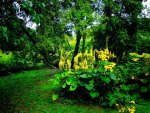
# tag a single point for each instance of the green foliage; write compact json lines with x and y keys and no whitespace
{"x":6,"y":58}
{"x":4,"y":32}
{"x":120,"y":22}
{"x":142,"y":44}
{"x":54,"y":97}
{"x":17,"y":60}
{"x":126,"y":82}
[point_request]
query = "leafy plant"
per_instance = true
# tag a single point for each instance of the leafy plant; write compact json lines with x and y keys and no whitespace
{"x":108,"y":83}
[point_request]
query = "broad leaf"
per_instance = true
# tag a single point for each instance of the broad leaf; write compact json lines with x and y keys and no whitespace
{"x":64,"y":85}
{"x":54,"y":96}
{"x":72,"y":88}
{"x":68,"y":82}
{"x":113,"y":77}
{"x":144,"y":89}
{"x":105,"y":79}
{"x":94,"y":94}
{"x":89,"y":86}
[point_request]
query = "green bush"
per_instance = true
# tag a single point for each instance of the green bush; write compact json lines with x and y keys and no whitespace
{"x":18,"y":60}
{"x":6,"y":60}
{"x":106,"y":88}
{"x":107,"y":84}
{"x":138,"y":67}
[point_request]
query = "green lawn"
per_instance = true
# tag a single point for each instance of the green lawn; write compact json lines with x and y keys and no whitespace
{"x":30,"y":92}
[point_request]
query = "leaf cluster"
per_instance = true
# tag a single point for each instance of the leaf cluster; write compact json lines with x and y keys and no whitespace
{"x":127,"y":82}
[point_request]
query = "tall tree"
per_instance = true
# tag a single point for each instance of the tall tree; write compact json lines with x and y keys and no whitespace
{"x":79,"y":13}
{"x":121,"y":23}
{"x":45,"y":39}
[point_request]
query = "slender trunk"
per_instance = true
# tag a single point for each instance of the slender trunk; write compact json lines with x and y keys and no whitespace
{"x":44,"y":53}
{"x":83,"y":44}
{"x":76,"y":47}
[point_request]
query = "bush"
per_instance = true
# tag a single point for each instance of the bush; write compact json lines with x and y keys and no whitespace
{"x":6,"y":60}
{"x":108,"y":83}
{"x":18,"y":60}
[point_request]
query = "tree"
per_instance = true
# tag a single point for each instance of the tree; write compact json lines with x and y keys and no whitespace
{"x":121,"y":23}
{"x":79,"y":13}
{"x":44,"y":38}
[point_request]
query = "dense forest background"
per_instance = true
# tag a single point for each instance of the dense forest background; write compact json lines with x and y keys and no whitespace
{"x":53,"y":22}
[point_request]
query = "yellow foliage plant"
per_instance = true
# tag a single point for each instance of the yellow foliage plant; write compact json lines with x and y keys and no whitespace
{"x":86,"y":60}
{"x":64,"y":62}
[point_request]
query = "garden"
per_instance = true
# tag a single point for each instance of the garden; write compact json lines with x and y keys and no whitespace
{"x":70,"y":56}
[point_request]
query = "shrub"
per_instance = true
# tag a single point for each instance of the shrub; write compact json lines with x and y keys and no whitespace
{"x":18,"y":60}
{"x":108,"y":83}
{"x":6,"y":60}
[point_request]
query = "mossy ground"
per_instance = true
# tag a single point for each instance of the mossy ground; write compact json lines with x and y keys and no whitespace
{"x":30,"y":92}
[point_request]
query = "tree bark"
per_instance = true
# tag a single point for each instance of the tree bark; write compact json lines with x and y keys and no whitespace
{"x":83,"y":44}
{"x":76,"y":47}
{"x":44,"y":53}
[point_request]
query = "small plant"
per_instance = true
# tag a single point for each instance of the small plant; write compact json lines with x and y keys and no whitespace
{"x":6,"y":58}
{"x":128,"y":108}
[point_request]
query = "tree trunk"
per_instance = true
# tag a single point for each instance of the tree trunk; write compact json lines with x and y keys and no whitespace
{"x":76,"y":47}
{"x":44,"y":53}
{"x":83,"y":44}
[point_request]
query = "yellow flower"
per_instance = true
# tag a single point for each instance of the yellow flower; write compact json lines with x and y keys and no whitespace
{"x":133,"y":102}
{"x":113,"y":64}
{"x":122,"y":110}
{"x":106,"y":51}
{"x":132,"y":77}
{"x":85,"y":62}
{"x":106,"y":67}
{"x":135,"y":59}
{"x":79,"y":55}
{"x":91,"y":52}
{"x":76,"y":67}
{"x":145,"y":55}
{"x":102,"y":56}
{"x":82,"y":66}
{"x":133,"y":54}
{"x":131,"y":110}
{"x":117,"y":105}
{"x":76,"y":59}
{"x":86,"y":53}
{"x":86,"y":67}
{"x":113,"y":55}
{"x":61,"y":64}
{"x":101,"y":52}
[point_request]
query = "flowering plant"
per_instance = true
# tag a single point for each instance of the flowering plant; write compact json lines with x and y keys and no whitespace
{"x":103,"y":81}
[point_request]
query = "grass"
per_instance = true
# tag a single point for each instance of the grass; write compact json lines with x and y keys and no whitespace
{"x":30,"y":92}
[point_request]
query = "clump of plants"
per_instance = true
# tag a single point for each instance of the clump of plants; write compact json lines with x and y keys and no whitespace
{"x":6,"y":60}
{"x":102,"y":81}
